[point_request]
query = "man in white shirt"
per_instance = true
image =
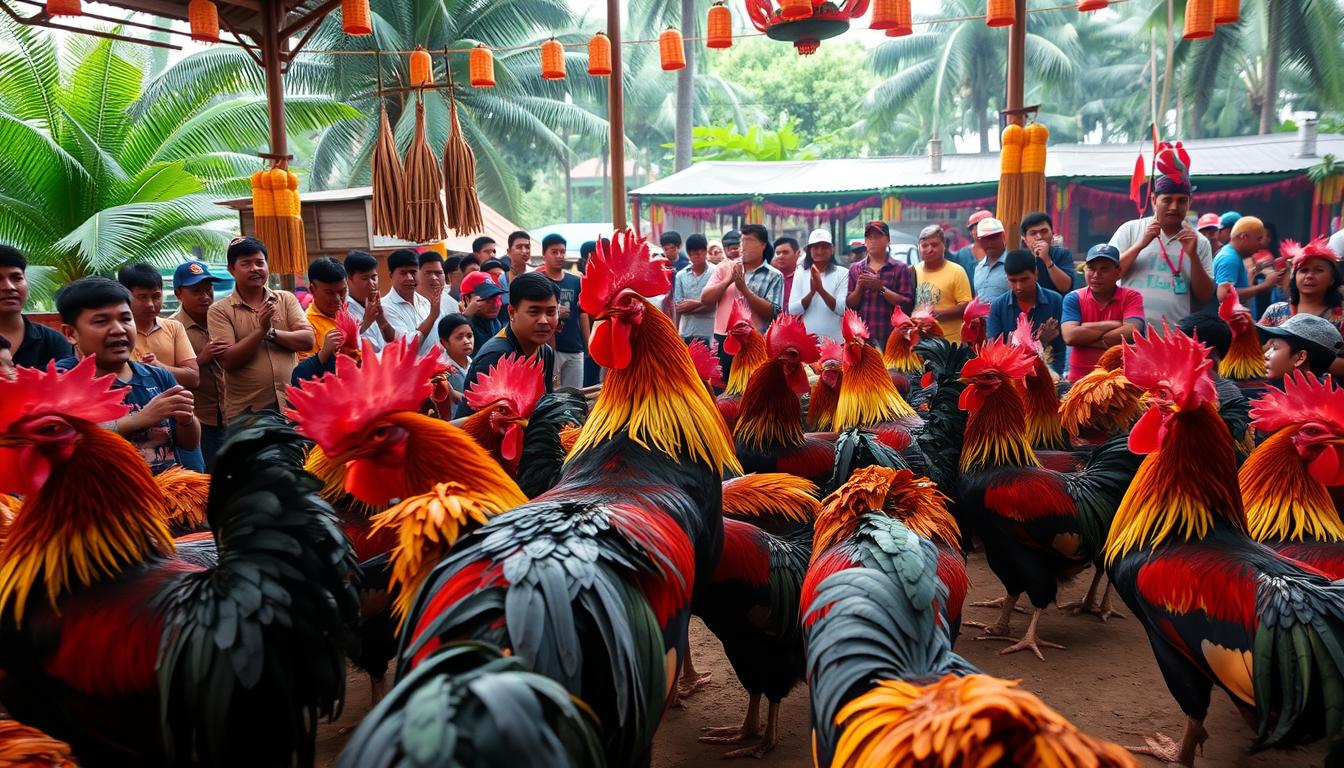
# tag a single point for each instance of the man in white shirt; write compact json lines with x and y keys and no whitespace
{"x":433,"y":280}
{"x":1164,"y":258}
{"x":363,"y":302}
{"x":407,"y":311}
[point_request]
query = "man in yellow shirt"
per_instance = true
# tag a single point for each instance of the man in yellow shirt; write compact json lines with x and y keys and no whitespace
{"x":328,"y":285}
{"x":942,"y":286}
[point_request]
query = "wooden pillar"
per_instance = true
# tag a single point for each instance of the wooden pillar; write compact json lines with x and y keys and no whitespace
{"x":273,"y":46}
{"x":616,"y":116}
{"x":1017,"y":52}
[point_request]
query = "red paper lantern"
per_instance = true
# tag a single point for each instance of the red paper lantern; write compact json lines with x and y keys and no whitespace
{"x":481,"y":67}
{"x":719,"y":27}
{"x":1226,"y":11}
{"x":891,"y":14}
{"x":552,"y":60}
{"x":1198,"y":19}
{"x":1092,"y":5}
{"x":599,"y":56}
{"x":793,"y":10}
{"x":422,"y":67}
{"x":355,"y":18}
{"x":204,"y":19}
{"x":671,"y":52}
{"x":64,"y":8}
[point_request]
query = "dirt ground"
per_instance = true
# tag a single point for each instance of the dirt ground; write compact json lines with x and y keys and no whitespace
{"x":1105,"y":681}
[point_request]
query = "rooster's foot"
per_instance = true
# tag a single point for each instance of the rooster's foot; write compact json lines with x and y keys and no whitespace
{"x":991,"y":631}
{"x":1025,"y":644}
{"x":758,"y":750}
{"x":996,"y":603}
{"x":690,"y":685}
{"x":727,"y":734}
{"x":1168,"y":751}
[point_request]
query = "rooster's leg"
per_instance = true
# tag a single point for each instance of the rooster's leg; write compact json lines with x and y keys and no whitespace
{"x":691,"y":681}
{"x":767,"y":742}
{"x":1006,"y":605}
{"x":734,"y":734}
{"x":1029,"y":642}
{"x":1168,"y":751}
{"x":377,"y":688}
{"x":1089,"y":603}
{"x":996,"y":603}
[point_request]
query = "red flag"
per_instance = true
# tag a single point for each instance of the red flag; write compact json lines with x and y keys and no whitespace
{"x":1136,"y":184}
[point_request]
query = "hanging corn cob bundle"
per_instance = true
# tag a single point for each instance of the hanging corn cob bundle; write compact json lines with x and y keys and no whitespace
{"x":459,"y":171}
{"x":389,"y":182}
{"x":1033,"y":167}
{"x":423,"y":220}
{"x":1010,"y":182}
{"x":279,"y":220}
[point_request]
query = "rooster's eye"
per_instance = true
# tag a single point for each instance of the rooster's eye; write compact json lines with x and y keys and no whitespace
{"x":381,"y":433}
{"x":50,"y":429}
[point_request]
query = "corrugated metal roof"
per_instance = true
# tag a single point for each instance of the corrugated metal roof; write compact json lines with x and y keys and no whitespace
{"x":1237,"y":156}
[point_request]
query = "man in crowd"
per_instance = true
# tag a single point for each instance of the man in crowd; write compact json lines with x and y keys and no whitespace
{"x":879,"y":283}
{"x":857,"y":250}
{"x":264,"y":329}
{"x":1054,"y":263}
{"x":194,"y":287}
{"x":1025,"y":294}
{"x":941,"y":285}
{"x":533,"y":314}
{"x":695,"y":320}
{"x":327,"y":284}
{"x":1208,"y":227}
{"x":1164,"y":258}
{"x":1101,"y":314}
{"x":967,"y":256}
{"x":483,"y":248}
{"x":363,"y":302}
{"x":571,"y":338}
{"x":158,"y":341}
{"x":96,"y":317}
{"x":786,"y":261}
{"x":409,"y":312}
{"x":1230,"y":265}
{"x":482,"y":301}
{"x":469,"y":264}
{"x":990,"y":280}
{"x":1225,"y":224}
{"x":432,"y":278}
{"x":732,"y":245}
{"x":452,"y":273}
{"x":671,"y":243}
{"x":32,"y":345}
{"x":516,"y":262}
{"x":748,"y":276}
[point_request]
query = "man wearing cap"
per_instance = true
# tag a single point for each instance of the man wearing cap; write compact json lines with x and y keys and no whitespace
{"x":1054,"y":263}
{"x":941,"y":285}
{"x":990,"y":279}
{"x":819,"y":288}
{"x":1164,"y":258}
{"x":1303,"y":342}
{"x":1101,"y":314}
{"x":732,"y":245}
{"x":1225,"y":224}
{"x":194,"y":286}
{"x":786,"y":261}
{"x":857,"y":250}
{"x":879,"y":283}
{"x":482,"y":301}
{"x":968,"y":256}
{"x":1208,"y":227}
{"x":1230,"y":269}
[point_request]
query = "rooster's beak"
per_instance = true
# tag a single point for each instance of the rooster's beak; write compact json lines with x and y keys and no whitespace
{"x":14,"y":441}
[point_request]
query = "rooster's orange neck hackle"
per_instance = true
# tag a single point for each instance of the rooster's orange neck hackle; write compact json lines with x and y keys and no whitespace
{"x":1245,"y":358}
{"x":900,"y":352}
{"x":98,"y":510}
{"x":1042,"y":398}
{"x":900,"y":493}
{"x":996,"y":427}
{"x":867,"y":394}
{"x":771,"y":411}
{"x":750,"y":357}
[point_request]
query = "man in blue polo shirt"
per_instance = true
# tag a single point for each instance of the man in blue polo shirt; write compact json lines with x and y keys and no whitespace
{"x":1042,"y":306}
{"x":990,"y":281}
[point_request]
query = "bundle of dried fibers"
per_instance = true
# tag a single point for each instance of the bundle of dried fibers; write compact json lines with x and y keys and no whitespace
{"x":1010,"y":182}
{"x":389,"y":182}
{"x":423,"y":221}
{"x":459,"y":169}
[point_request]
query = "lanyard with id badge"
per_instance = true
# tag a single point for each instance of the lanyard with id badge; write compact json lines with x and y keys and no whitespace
{"x":1179,"y":285}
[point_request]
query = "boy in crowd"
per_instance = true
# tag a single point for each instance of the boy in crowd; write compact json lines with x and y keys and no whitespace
{"x":1101,"y":314}
{"x":1304,"y":343}
{"x":694,"y":320}
{"x":194,"y":287}
{"x":160,"y":341}
{"x":534,"y":301}
{"x":31,"y":345}
{"x":1042,"y":306}
{"x":362,"y":300}
{"x":96,"y":317}
{"x":571,"y":338}
{"x":671,"y":243}
{"x":327,"y":284}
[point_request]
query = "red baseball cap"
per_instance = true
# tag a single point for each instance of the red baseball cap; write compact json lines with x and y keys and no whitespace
{"x":1210,"y":220}
{"x":978,"y":217}
{"x":481,"y":284}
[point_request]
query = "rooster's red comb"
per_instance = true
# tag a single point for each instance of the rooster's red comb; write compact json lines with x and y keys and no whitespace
{"x":623,"y":265}
{"x":340,"y":405}
{"x":1230,"y":303}
{"x":997,"y":356}
{"x":788,"y":332}
{"x":1023,"y":335}
{"x":899,"y":319}
{"x":832,"y":351}
{"x":76,"y":393}
{"x":349,"y":330}
{"x":516,"y":380}
{"x":853,"y":327}
{"x":706,"y":360}
{"x":1171,"y":364}
{"x":1303,"y":399}
{"x":738,"y":313}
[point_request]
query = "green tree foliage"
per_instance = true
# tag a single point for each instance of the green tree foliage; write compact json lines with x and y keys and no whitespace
{"x":723,"y":142}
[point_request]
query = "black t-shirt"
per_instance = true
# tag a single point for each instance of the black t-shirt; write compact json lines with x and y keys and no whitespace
{"x":490,"y":353}
{"x":40,"y":346}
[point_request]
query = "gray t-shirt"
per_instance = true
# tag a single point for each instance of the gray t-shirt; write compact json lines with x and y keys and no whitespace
{"x":687,"y":287}
{"x":1151,"y":275}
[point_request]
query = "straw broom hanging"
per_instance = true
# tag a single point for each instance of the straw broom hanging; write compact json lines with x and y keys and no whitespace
{"x":1010,"y":182}
{"x":1033,"y":167}
{"x":389,"y":182}
{"x":459,"y":170}
{"x":424,"y":185}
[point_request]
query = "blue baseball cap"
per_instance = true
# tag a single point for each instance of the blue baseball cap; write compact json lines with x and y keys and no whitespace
{"x":193,"y":272}
{"x":1103,"y":251}
{"x":1228,"y":219}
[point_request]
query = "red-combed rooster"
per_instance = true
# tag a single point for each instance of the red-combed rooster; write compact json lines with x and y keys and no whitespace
{"x":133,"y":656}
{"x":1285,"y":482}
{"x":747,"y":346}
{"x":1038,"y":525}
{"x":821,"y":401}
{"x":868,"y":398}
{"x":752,"y":602}
{"x":705,"y":358}
{"x":1219,"y":607}
{"x":899,"y":356}
{"x":973,"y":323}
{"x":504,"y":398}
{"x":1041,"y":394}
{"x":25,"y":747}
{"x":1103,"y":403}
{"x":591,"y":583}
{"x":1244,"y":362}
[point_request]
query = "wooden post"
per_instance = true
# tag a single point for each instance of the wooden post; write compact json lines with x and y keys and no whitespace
{"x":616,"y":116}
{"x":1017,"y":52}
{"x":273,"y":45}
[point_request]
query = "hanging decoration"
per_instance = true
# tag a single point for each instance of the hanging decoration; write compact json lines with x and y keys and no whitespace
{"x":810,"y":23}
{"x":599,"y":56}
{"x":656,"y":218}
{"x":462,"y":206}
{"x":552,"y":60}
{"x":1226,"y":11}
{"x":891,"y":206}
{"x":719,"y":27}
{"x":671,"y":50}
{"x":423,"y":216}
{"x":355,"y":18}
{"x":422,"y":67}
{"x":389,"y":181}
{"x":1328,"y":178}
{"x":1000,"y":13}
{"x":1092,"y":5}
{"x":64,"y":8}
{"x":278,"y":220}
{"x":1010,"y":181}
{"x":1198,"y":19}
{"x":756,"y":210}
{"x":203,"y":17}
{"x":892,"y":16}
{"x":481,"y":67}
{"x":1035,"y":136}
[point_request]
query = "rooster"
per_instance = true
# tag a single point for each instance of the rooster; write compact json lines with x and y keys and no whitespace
{"x":705,"y":358}
{"x":1244,"y":362}
{"x":825,"y":391}
{"x":1219,"y":608}
{"x":1102,"y":403}
{"x":752,"y":604}
{"x":1285,"y":483}
{"x":747,"y":347}
{"x":973,"y":323}
{"x":1038,"y":525}
{"x":544,"y":448}
{"x":503,"y":399}
{"x":899,"y":356}
{"x":25,"y":747}
{"x":868,"y":398}
{"x":591,"y":584}
{"x":133,"y":656}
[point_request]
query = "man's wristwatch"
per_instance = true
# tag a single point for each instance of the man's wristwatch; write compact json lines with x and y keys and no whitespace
{"x":270,"y":335}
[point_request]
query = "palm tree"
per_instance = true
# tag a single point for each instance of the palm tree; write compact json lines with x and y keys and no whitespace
{"x":98,"y":168}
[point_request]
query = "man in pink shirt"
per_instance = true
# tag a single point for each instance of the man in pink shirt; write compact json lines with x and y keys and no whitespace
{"x":1100,"y":315}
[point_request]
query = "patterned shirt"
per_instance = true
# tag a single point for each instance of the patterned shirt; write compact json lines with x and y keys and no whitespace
{"x":765,"y":281}
{"x":1279,"y":312}
{"x":873,"y":308}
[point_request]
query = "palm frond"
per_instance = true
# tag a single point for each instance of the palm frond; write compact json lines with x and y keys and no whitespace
{"x":29,"y":73}
{"x":115,"y":236}
{"x":242,"y":123}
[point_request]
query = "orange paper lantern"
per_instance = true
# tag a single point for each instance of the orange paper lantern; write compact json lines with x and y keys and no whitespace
{"x":795,"y":10}
{"x":64,"y":8}
{"x":552,"y":60}
{"x":1092,"y":5}
{"x":481,"y":68}
{"x":671,"y":51}
{"x":204,"y":19}
{"x":1226,"y":11}
{"x":1198,"y":19}
{"x":599,"y":55}
{"x":355,"y":19}
{"x":422,"y":67}
{"x":1000,"y":13}
{"x":891,"y":14}
{"x":719,"y":27}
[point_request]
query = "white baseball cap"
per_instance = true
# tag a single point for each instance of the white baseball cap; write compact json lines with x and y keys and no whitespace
{"x":819,"y":236}
{"x":988,"y":227}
